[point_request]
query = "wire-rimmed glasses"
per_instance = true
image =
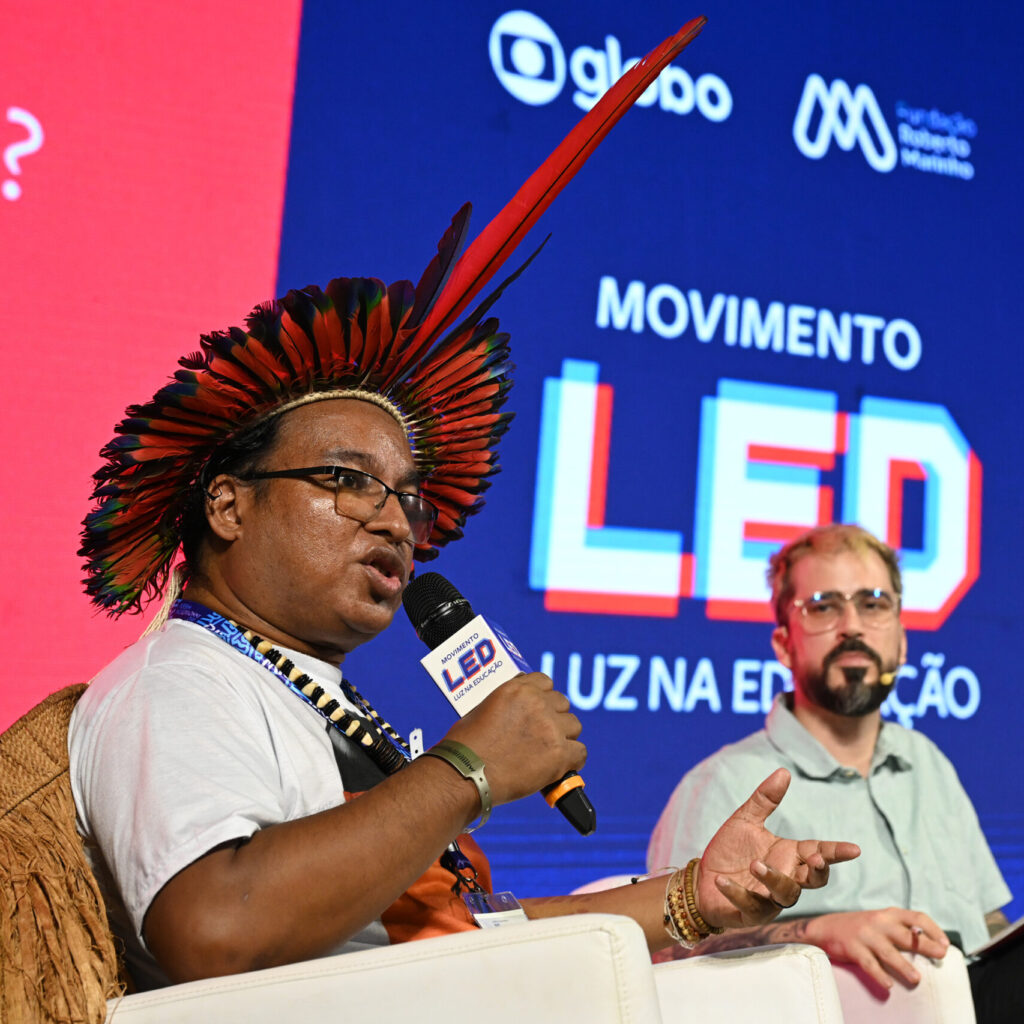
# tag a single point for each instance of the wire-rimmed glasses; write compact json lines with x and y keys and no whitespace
{"x":824,"y":609}
{"x":361,"y":496}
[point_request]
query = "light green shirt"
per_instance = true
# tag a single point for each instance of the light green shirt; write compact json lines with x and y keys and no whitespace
{"x":921,"y":844}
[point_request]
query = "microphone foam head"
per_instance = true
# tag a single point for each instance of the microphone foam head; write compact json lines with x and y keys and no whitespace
{"x":435,"y":608}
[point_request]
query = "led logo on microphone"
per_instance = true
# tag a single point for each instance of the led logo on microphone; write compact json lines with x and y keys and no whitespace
{"x":472,"y":663}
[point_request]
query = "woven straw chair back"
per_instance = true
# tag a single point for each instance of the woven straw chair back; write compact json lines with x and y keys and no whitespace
{"x":58,"y":963}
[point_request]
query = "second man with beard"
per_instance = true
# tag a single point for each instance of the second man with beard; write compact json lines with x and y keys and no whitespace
{"x":925,"y":869}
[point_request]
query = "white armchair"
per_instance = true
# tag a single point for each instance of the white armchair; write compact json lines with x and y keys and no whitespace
{"x":794,"y":983}
{"x":785,"y":984}
{"x":943,"y":996}
{"x":591,"y":967}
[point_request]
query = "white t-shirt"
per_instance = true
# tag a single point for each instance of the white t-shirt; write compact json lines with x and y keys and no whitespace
{"x":182,"y":744}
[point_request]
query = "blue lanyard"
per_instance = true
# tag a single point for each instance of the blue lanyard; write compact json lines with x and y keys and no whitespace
{"x":233,"y":635}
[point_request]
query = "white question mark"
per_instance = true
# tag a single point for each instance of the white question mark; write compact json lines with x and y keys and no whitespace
{"x":14,"y":152}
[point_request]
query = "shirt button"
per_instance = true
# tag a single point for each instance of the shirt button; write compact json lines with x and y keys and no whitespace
{"x":849,"y":772}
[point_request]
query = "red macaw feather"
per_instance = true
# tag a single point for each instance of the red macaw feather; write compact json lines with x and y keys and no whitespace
{"x":327,"y":330}
{"x":378,"y":334}
{"x":434,"y":278}
{"x":494,"y":244}
{"x":295,"y":346}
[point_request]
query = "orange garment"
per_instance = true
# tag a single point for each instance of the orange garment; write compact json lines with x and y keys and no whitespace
{"x":429,"y":907}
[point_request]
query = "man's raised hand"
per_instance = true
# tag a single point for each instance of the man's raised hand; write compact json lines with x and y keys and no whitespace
{"x":748,"y":875}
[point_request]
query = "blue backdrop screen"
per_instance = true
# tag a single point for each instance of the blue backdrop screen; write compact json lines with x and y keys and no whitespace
{"x":779,"y":294}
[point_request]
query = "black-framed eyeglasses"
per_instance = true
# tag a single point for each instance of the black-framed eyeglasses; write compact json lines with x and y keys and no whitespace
{"x":361,"y":496}
{"x":823,"y":610}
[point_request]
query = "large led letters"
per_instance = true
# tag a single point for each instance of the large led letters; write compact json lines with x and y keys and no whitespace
{"x":762,"y":452}
{"x":895,"y":441}
{"x":581,"y":564}
{"x":769,"y":461}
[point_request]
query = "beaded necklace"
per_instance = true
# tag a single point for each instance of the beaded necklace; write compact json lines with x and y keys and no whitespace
{"x":388,"y":757}
{"x":377,"y":738}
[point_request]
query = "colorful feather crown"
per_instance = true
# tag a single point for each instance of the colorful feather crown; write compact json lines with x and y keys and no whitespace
{"x":393,"y":344}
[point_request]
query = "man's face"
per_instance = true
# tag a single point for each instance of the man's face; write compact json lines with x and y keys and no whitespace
{"x":325,"y":582}
{"x":839,"y":669}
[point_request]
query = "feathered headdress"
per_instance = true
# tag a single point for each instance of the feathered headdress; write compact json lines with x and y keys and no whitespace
{"x":360,"y":338}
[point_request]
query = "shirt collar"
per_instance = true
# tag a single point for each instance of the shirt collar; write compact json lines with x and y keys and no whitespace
{"x":812,"y":760}
{"x":892,"y":748}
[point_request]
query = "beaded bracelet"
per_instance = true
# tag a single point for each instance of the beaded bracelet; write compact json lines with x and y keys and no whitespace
{"x":469,"y":766}
{"x":689,"y":878}
{"x":677,"y":923}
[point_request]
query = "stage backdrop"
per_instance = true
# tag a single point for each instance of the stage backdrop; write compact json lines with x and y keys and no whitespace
{"x":781,"y":293}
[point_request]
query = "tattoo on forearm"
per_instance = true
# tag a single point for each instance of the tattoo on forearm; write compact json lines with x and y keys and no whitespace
{"x":792,"y":930}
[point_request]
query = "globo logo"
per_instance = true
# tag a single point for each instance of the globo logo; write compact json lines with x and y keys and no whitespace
{"x":530,"y":62}
{"x":527,"y":57}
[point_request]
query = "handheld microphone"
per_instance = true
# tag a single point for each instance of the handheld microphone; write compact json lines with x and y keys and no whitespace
{"x":469,"y":658}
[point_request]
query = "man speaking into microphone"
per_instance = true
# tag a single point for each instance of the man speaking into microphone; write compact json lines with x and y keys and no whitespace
{"x":925,"y":867}
{"x":243,"y":803}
